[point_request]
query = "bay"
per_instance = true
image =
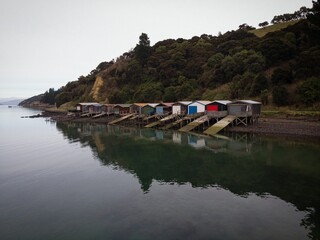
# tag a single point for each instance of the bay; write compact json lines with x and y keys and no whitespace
{"x":86,"y":181}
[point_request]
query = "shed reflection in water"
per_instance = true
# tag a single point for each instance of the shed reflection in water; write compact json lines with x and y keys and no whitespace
{"x":244,"y":166}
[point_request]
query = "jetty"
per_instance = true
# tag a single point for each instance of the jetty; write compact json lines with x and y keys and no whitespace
{"x":100,"y":115}
{"x":196,"y":123}
{"x":181,"y":121}
{"x":214,"y":129}
{"x":122,"y":118}
{"x":162,"y":121}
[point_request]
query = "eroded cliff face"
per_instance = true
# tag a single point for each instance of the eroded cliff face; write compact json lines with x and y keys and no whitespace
{"x":96,"y":91}
{"x":106,"y":83}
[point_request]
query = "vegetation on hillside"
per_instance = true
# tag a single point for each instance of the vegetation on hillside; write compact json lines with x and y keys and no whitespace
{"x":281,"y":67}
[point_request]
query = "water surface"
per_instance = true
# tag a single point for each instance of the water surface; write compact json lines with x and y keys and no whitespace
{"x":85,"y":181}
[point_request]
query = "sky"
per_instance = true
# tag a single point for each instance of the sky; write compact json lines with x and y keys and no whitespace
{"x":48,"y":43}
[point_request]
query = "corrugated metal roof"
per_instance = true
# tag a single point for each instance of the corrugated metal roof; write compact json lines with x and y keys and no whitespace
{"x":89,"y":104}
{"x":185,"y":102}
{"x":153,"y":104}
{"x":168,"y":104}
{"x":224,"y":102}
{"x":246,"y":101}
{"x":204,"y":102}
{"x":140,"y":104}
{"x":125,"y":105}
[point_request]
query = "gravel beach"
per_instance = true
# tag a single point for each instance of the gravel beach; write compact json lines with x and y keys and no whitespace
{"x":278,"y":126}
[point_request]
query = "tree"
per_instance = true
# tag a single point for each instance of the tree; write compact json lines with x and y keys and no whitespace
{"x":215,"y":60}
{"x":263,"y":24}
{"x":142,"y":50}
{"x":49,"y":96}
{"x":264,"y":96}
{"x":144,"y":40}
{"x":281,"y":76}
{"x":259,"y":84}
{"x":310,"y":90}
{"x":280,"y":96}
{"x":314,"y":15}
{"x":245,"y":26}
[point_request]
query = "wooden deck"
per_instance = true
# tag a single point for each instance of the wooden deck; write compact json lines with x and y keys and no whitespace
{"x":122,"y":118}
{"x":167,"y":118}
{"x":150,"y":117}
{"x":195,"y":124}
{"x":100,"y":115}
{"x":162,"y":121}
{"x":172,"y":124}
{"x":154,"y":124}
{"x":214,"y":129}
{"x":181,"y":121}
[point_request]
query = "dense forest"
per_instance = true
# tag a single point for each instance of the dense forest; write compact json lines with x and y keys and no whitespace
{"x":280,"y":68}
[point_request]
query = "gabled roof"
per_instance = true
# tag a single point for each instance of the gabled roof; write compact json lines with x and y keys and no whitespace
{"x":223,"y":102}
{"x":204,"y":102}
{"x":186,"y":103}
{"x":167,"y":104}
{"x":126,"y":105}
{"x":153,"y":104}
{"x":140,"y":104}
{"x":246,"y":102}
{"x":89,"y":104}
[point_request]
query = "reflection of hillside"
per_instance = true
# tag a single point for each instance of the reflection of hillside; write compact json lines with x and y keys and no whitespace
{"x":270,"y":168}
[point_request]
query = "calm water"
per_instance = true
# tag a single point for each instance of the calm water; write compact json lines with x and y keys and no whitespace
{"x":82,"y":181}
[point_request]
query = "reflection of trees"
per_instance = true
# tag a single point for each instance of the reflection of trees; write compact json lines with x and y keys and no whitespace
{"x":269,"y":169}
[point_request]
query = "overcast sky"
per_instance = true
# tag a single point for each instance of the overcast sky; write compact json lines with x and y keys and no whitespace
{"x":47,"y":43}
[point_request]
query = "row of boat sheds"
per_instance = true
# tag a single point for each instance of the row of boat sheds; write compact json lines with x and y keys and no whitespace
{"x":209,"y":117}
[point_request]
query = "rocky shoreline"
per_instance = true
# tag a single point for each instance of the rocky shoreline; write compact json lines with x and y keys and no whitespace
{"x":284,"y":127}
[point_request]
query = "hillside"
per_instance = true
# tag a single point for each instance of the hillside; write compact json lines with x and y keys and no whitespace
{"x":279,"y":67}
{"x":261,"y":32}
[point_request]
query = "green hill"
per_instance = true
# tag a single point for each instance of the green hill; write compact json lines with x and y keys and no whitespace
{"x":279,"y":68}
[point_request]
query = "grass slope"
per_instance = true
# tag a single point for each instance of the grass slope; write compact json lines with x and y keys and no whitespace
{"x":261,"y":32}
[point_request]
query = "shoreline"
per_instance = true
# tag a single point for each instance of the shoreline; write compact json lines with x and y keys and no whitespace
{"x":305,"y":127}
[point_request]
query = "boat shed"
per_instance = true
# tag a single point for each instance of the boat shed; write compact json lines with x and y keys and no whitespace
{"x":218,"y":105}
{"x":197,"y":107}
{"x":95,"y":108}
{"x":137,"y":107}
{"x":180,"y":107}
{"x":217,"y":108}
{"x":122,"y":108}
{"x":107,"y":108}
{"x":244,"y":108}
{"x":149,"y":109}
{"x":84,"y":107}
{"x":164,"y":108}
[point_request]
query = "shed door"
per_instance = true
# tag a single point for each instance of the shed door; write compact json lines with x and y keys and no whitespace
{"x":212,"y":108}
{"x":159,"y":110}
{"x":176,"y":109}
{"x":192,"y":109}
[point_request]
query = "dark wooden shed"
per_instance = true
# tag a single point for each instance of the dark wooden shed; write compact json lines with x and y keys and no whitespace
{"x":244,"y":108}
{"x":122,"y":108}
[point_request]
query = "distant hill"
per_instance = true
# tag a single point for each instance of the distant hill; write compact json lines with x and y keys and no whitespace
{"x":279,"y":67}
{"x":32,"y":102}
{"x":10,"y":101}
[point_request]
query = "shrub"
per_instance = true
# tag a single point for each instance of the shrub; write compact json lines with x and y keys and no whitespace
{"x":280,"y":96}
